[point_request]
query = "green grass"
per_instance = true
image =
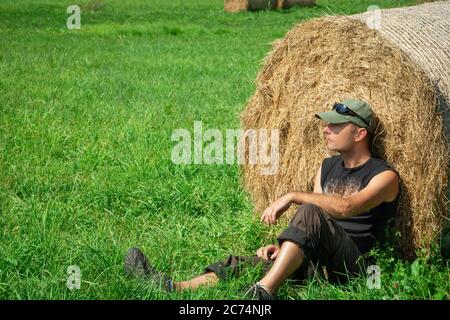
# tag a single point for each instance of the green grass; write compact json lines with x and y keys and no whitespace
{"x":85,"y":141}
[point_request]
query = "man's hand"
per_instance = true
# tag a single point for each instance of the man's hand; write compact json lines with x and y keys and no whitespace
{"x":268,"y":252}
{"x":276,"y":209}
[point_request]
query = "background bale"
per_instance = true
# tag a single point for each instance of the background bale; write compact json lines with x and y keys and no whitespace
{"x":262,"y":4}
{"x":250,"y":5}
{"x":286,"y":4}
{"x":235,"y":5}
{"x":328,"y":59}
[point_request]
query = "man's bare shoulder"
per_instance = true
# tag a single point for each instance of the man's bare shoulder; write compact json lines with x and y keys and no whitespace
{"x":388,"y":177}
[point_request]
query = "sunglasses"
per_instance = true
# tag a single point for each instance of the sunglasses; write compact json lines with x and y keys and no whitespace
{"x":343,"y":109}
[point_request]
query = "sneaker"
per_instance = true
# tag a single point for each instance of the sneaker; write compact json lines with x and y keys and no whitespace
{"x":258,"y":292}
{"x":137,"y":265}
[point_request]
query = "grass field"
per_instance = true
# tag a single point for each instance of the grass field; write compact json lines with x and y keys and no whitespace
{"x":85,"y":142}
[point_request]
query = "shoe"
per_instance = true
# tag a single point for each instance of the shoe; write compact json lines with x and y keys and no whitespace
{"x":258,"y":292}
{"x":137,"y":265}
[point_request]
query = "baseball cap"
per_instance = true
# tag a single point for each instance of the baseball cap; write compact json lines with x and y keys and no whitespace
{"x":364,"y":118}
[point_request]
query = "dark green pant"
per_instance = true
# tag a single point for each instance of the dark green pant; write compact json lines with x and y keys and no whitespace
{"x":327,"y":248}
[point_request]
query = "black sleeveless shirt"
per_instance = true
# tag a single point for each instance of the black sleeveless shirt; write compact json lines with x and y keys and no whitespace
{"x":366,"y":228}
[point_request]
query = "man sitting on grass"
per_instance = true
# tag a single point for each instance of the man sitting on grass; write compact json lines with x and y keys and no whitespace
{"x":355,"y":194}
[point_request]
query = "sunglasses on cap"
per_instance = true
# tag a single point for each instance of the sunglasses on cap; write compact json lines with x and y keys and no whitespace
{"x":344,"y":110}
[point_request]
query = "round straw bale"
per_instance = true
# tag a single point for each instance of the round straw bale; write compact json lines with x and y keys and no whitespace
{"x":235,"y":5}
{"x":249,"y":5}
{"x":286,"y":4}
{"x":423,"y":33}
{"x":254,"y":5}
{"x":328,"y":59}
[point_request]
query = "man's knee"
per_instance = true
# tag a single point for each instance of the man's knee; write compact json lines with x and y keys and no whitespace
{"x":307,"y":215}
{"x":304,"y":228}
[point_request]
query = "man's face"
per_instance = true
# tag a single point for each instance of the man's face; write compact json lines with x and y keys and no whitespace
{"x":340,"y":137}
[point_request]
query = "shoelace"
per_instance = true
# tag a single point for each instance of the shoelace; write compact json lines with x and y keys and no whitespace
{"x":263,"y":286}
{"x":253,"y":291}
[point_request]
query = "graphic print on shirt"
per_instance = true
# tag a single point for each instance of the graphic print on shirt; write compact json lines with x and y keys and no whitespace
{"x":342,"y":186}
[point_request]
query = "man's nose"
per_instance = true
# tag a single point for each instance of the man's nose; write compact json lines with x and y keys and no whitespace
{"x":326,"y":130}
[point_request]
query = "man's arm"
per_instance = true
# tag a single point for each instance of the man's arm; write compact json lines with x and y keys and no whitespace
{"x":317,"y":186}
{"x":383,"y":187}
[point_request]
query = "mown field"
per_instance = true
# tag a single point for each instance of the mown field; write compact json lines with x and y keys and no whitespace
{"x":86,"y":118}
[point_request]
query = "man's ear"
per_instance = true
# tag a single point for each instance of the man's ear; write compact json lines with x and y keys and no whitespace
{"x":360,"y":134}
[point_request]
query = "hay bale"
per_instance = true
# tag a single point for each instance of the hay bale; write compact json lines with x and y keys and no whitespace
{"x":286,"y":4}
{"x":254,"y":5}
{"x":423,"y":33}
{"x":328,"y":59}
{"x":235,"y":5}
{"x":249,"y":5}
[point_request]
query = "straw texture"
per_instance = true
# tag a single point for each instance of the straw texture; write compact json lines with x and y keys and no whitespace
{"x":332,"y":58}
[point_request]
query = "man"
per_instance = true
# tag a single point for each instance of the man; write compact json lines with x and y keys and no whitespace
{"x":354,"y":196}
